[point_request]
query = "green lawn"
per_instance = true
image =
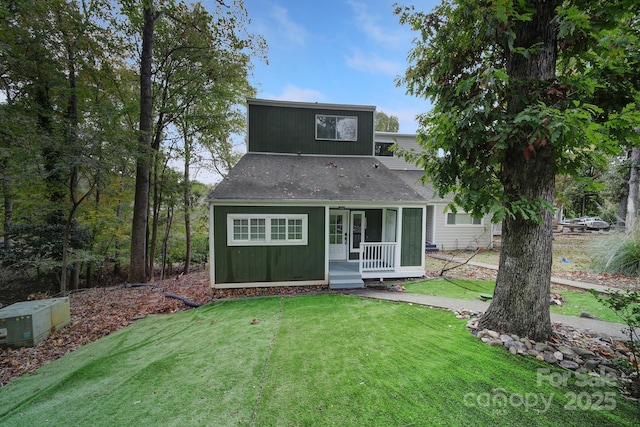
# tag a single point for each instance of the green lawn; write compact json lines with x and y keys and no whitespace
{"x":577,"y":248}
{"x":309,"y":361}
{"x":575,"y":301}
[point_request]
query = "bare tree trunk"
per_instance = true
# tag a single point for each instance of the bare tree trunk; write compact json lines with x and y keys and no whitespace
{"x":74,"y":281}
{"x":187,"y":205}
{"x":8,"y":205}
{"x":165,"y":241}
{"x":138,"y":256}
{"x":634,"y":183}
{"x":520,"y":302}
{"x":72,"y":142}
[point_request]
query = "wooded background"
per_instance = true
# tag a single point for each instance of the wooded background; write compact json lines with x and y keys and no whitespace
{"x":99,"y":99}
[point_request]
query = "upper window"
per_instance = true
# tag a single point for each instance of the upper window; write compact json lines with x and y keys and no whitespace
{"x":461,"y":218}
{"x":252,"y":230}
{"x":337,"y":128}
{"x":384,"y":149}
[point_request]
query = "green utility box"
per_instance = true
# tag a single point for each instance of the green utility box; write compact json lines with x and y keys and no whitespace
{"x":25,"y":324}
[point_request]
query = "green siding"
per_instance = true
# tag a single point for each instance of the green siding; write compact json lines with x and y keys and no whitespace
{"x":412,"y":244}
{"x":275,"y":129}
{"x":246,"y":264}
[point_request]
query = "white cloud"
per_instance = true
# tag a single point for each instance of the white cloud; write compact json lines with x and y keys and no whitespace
{"x":374,"y":64}
{"x":294,"y":93}
{"x":290,"y":30}
{"x":369,"y":25}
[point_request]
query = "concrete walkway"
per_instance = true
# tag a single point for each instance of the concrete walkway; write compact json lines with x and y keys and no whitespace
{"x":613,"y":330}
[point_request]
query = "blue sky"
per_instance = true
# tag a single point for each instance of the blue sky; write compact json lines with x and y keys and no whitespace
{"x":335,"y":51}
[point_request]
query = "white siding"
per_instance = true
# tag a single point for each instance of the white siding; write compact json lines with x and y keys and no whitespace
{"x":445,"y":237}
{"x":405,"y":141}
{"x":454,"y":237}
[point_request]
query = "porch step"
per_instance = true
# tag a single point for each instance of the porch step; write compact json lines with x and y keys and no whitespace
{"x":344,"y":275}
{"x":346,"y":283}
{"x":430,"y":248}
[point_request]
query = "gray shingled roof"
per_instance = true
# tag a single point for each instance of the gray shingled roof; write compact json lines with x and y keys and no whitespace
{"x":414,"y":179}
{"x":333,"y":178}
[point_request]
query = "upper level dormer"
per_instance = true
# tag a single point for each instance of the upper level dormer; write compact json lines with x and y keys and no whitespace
{"x":310,"y":128}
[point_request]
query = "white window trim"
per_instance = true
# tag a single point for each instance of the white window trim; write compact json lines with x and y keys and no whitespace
{"x":446,"y":222}
{"x":267,"y":241}
{"x":315,"y":124}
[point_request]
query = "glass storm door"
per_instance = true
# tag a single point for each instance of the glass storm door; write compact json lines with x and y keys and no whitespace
{"x":338,"y":235}
{"x":358,"y":227}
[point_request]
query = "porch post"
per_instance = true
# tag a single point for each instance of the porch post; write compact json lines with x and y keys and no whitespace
{"x":398,"y":240}
{"x":326,"y":245}
{"x":424,"y":235}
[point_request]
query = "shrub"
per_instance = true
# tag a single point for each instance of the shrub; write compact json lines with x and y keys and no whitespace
{"x":617,"y":253}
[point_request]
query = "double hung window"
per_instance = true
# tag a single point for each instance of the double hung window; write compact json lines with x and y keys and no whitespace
{"x":259,"y":229}
{"x":461,"y":218}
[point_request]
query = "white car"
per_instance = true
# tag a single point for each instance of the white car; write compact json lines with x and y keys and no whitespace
{"x":593,"y":223}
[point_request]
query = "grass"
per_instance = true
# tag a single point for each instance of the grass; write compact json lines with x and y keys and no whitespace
{"x":309,"y":361}
{"x":575,"y":301}
{"x":576,"y":247}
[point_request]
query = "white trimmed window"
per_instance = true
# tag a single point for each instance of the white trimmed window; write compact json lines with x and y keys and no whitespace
{"x":337,"y":128}
{"x":266,"y":230}
{"x":461,"y":218}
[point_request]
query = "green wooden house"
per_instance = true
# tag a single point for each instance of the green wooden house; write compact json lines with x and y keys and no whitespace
{"x":309,"y":203}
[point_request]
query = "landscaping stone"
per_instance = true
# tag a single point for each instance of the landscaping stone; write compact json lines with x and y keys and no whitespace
{"x":527,"y":343}
{"x":534,"y":353}
{"x":517,"y":346}
{"x":568,"y":364}
{"x":540,"y":346}
{"x":549,"y":358}
{"x":566,"y":351}
{"x":583,"y":352}
{"x":576,"y":350}
{"x":505,"y":338}
{"x":397,"y":288}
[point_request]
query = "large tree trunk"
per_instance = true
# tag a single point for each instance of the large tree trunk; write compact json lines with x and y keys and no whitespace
{"x":632,"y":198}
{"x":187,"y":204}
{"x":138,"y":256}
{"x":520,"y":302}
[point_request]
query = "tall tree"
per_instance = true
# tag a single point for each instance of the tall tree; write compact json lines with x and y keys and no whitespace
{"x":631,"y":216}
{"x":507,"y":122}
{"x":138,"y":255}
{"x":386,"y":123}
{"x":200,"y":79}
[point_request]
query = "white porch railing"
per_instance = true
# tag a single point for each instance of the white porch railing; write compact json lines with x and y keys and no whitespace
{"x":379,"y":256}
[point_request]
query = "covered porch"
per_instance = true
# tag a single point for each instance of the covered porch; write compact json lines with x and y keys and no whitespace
{"x":377,"y":261}
{"x":364,"y":242}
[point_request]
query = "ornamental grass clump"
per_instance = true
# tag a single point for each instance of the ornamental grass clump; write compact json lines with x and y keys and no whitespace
{"x":618,"y":253}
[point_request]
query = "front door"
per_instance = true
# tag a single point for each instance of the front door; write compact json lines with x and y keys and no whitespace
{"x":338,"y":235}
